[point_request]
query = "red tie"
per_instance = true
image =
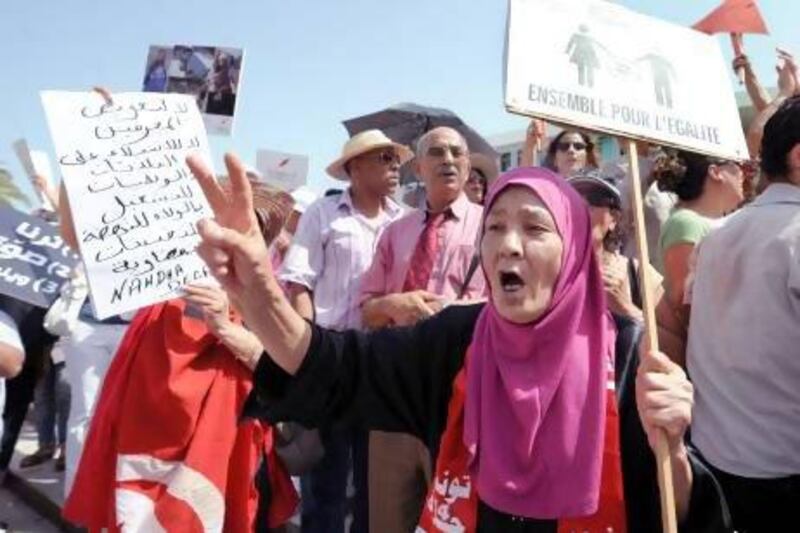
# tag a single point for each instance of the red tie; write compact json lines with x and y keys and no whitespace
{"x":421,"y":265}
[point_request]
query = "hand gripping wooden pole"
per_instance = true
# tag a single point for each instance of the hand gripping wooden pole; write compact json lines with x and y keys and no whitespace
{"x":663,"y":462}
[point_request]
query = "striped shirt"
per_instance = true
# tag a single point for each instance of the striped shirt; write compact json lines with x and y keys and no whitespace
{"x":331,"y":250}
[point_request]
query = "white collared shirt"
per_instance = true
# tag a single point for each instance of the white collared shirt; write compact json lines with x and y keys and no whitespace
{"x":743,"y":353}
{"x":330,"y":252}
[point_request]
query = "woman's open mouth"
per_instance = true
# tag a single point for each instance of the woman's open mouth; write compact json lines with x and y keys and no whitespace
{"x":511,"y":281}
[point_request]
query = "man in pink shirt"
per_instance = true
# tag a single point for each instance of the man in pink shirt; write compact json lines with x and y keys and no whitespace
{"x":422,"y":263}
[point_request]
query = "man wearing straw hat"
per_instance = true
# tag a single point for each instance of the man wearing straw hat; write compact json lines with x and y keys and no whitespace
{"x":332,"y":249}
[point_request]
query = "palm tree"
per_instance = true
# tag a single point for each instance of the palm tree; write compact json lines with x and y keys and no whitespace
{"x":9,"y":192}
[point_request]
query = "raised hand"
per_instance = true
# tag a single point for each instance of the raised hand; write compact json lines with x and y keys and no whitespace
{"x":533,"y":142}
{"x":236,"y":254}
{"x":232,"y":245}
{"x":788,"y":80}
{"x":535,"y":133}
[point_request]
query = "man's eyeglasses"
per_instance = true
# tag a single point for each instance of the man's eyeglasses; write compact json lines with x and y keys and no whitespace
{"x":457,"y":152}
{"x":563,"y":146}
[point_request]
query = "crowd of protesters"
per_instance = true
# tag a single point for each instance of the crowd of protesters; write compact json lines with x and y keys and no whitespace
{"x":475,"y":362}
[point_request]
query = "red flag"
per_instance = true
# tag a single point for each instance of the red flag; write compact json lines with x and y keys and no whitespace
{"x":166,"y":450}
{"x":733,"y":16}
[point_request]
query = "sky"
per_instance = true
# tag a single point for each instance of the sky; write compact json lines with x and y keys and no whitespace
{"x":309,"y":64}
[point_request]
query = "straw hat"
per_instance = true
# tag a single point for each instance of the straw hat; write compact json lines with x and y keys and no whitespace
{"x":362,"y":143}
{"x":485,"y":165}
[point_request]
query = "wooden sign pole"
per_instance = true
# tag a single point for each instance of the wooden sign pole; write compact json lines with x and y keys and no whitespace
{"x":663,"y":461}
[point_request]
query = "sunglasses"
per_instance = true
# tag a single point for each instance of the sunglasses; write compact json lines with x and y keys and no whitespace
{"x":748,"y":168}
{"x":563,"y":146}
{"x":439,"y":151}
{"x":386,"y":157}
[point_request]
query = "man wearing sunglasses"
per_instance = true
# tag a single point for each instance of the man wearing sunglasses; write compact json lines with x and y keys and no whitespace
{"x":423,"y":260}
{"x":332,"y":248}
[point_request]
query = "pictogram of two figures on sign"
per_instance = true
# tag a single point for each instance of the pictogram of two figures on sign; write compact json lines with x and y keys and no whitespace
{"x":585,"y":51}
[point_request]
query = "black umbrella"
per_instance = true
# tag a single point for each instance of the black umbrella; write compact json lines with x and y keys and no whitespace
{"x":405,"y":123}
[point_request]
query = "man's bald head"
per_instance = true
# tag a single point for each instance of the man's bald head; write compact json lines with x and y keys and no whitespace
{"x":424,"y":141}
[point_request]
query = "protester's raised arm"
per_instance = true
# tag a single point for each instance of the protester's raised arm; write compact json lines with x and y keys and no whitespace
{"x":533,"y":142}
{"x":788,"y":86}
{"x":237,"y":257}
{"x":758,"y":96}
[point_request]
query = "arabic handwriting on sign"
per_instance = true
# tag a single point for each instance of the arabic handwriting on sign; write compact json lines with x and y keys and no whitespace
{"x":122,"y":183}
{"x":135,"y":133}
{"x":140,"y":221}
{"x":120,"y":244}
{"x":111,"y":166}
{"x":180,"y":174}
{"x":149,"y":262}
{"x":122,"y":206}
{"x":105,"y":108}
{"x":77,"y":159}
{"x":130,"y":112}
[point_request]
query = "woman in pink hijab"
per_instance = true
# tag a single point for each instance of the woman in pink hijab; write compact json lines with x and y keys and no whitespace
{"x":516,"y":398}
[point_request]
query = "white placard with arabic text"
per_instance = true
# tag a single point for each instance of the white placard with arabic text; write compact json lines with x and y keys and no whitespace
{"x":134,"y":201}
{"x":603,"y":67}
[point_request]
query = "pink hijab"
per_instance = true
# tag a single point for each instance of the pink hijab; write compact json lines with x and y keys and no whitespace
{"x":534,"y":416}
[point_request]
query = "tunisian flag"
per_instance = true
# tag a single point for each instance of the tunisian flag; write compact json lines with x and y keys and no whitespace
{"x":733,"y":16}
{"x":166,"y":450}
